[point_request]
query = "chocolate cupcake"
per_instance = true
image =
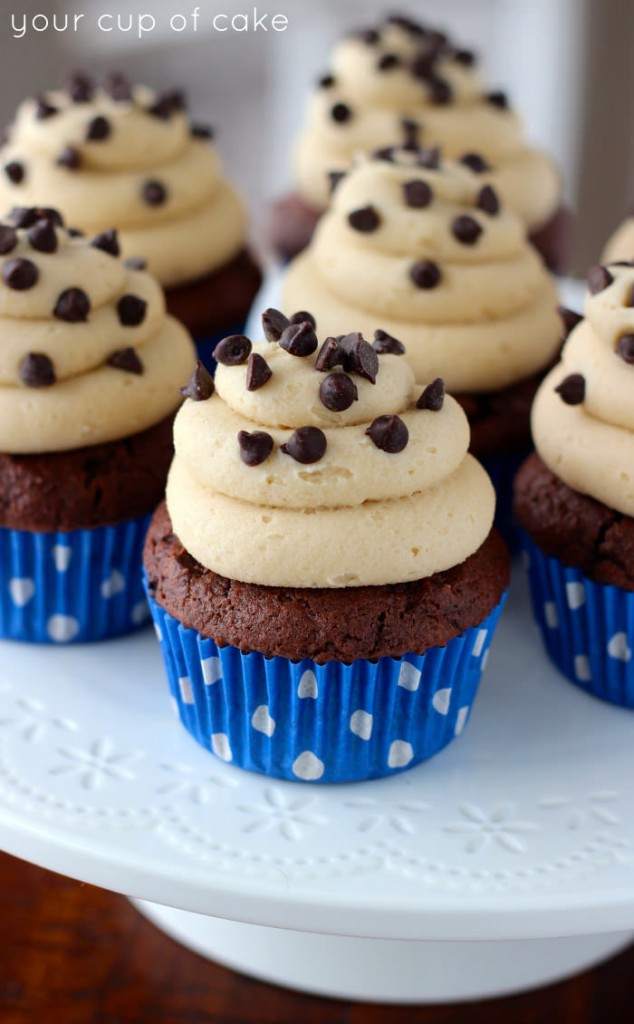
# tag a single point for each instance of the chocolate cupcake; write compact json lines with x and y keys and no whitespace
{"x":89,"y":367}
{"x":323,"y":577}
{"x":124,"y":155}
{"x":402,"y":77}
{"x":419,"y":245}
{"x":575,"y":495}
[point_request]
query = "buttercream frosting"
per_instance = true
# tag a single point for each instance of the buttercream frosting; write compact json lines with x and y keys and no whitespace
{"x":620,"y":245}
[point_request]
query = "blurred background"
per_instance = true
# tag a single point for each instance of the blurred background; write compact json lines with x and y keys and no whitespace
{"x":568,"y":66}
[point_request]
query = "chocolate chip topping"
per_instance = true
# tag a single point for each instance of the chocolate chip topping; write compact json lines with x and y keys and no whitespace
{"x":498,"y":99}
{"x":330,"y":355}
{"x":625,"y":347}
{"x":37,"y":371}
{"x":365,"y":219}
{"x":433,"y":396}
{"x":118,"y":87}
{"x":417,"y":193}
{"x":429,"y":158}
{"x":274,"y":323}
{"x":440,"y":91}
{"x":14,"y":171}
{"x":200,"y":385}
{"x":337,"y":392}
{"x":126,"y":359}
{"x":599,"y":278}
{"x":43,"y":237}
{"x":299,"y":339}
{"x":255,"y":448}
{"x":488,"y":201}
{"x":69,"y":158}
{"x":388,"y":433}
{"x":306,"y":445}
{"x":80,"y":88}
{"x":388,"y":61}
{"x":8,"y":239}
{"x":422,"y":66}
{"x":233,"y":350}
{"x":98,"y":129}
{"x":340,"y":113}
{"x":76,"y":233}
{"x":131,"y":310}
{"x":406,"y":24}
{"x":20,"y":274}
{"x":359,"y":356}
{"x":154,"y":193}
{"x":201,"y":131}
{"x":629,"y":298}
{"x":466,"y":229}
{"x":107,"y":241}
{"x":73,"y":305}
{"x":326,"y":81}
{"x":135,"y":263}
{"x":301,"y":316}
{"x":465,"y":57}
{"x":570,"y":319}
{"x":44,"y":109}
{"x":369,"y":36}
{"x":475,"y":162}
{"x":258,"y":372}
{"x":334,"y":177}
{"x":167,"y":103}
{"x":572,"y":389}
{"x":411,"y":134}
{"x":425,"y":274}
{"x":385,"y":344}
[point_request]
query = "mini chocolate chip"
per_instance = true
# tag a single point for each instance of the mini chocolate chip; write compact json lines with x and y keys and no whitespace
{"x":466,"y":229}
{"x":118,"y":87}
{"x":200,"y":385}
{"x":475,"y":162}
{"x":126,"y":359}
{"x":465,"y":57}
{"x":23,"y":216}
{"x":274,"y":324}
{"x":135,"y":263}
{"x":20,"y":274}
{"x":76,"y":233}
{"x":326,"y":81}
{"x":340,"y":113}
{"x":413,"y":28}
{"x":233,"y":350}
{"x":73,"y":305}
{"x":422,"y":67}
{"x":425,"y":274}
{"x":37,"y":370}
{"x":167,"y":103}
{"x":429,"y":158}
{"x":369,"y":36}
{"x":488,"y":201}
{"x":8,"y":239}
{"x":437,"y":39}
{"x":629,"y":298}
{"x":80,"y":88}
{"x":365,"y":219}
{"x":440,"y":92}
{"x":69,"y":158}
{"x":497,"y":99}
{"x":48,"y":213}
{"x":301,"y":316}
{"x":330,"y":355}
{"x":107,"y":241}
{"x":255,"y":448}
{"x":334,"y":177}
{"x":306,"y":445}
{"x":299,"y":339}
{"x":572,"y":389}
{"x":44,"y":109}
{"x":359,"y":356}
{"x":599,"y":278}
{"x":388,"y":433}
{"x":14,"y":171}
{"x":388,"y":61}
{"x":98,"y":129}
{"x":43,"y":237}
{"x":337,"y":392}
{"x":433,"y":396}
{"x":201,"y":131}
{"x":417,"y":193}
{"x":625,"y":347}
{"x":570,"y":319}
{"x":154,"y":193}
{"x":386,"y":154}
{"x":131,"y":310}
{"x":258,"y":372}
{"x":411,"y":134}
{"x":385,"y":344}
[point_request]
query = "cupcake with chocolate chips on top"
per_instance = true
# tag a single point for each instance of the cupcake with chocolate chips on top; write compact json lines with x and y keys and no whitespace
{"x":574,"y":497}
{"x":89,"y":368}
{"x":401,"y":70}
{"x":123,"y":155}
{"x":420,"y":247}
{"x":323,"y":576}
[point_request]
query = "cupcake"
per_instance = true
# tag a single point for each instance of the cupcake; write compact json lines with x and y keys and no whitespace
{"x":422,"y":247}
{"x":620,"y":245}
{"x":575,"y":495}
{"x":126,"y":156}
{"x":89,"y":370}
{"x":323,"y":576}
{"x":401,"y":73}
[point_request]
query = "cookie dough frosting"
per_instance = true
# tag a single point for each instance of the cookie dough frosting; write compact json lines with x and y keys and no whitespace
{"x":583,"y":416}
{"x":621,"y":245}
{"x":323,"y":466}
{"x":127,"y":156}
{"x":87,"y":351}
{"x":401,"y":70}
{"x":422,"y":246}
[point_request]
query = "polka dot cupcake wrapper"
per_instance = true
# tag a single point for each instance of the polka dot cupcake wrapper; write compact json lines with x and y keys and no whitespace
{"x":587,"y":628}
{"x":72,"y":587}
{"x":322,"y":723}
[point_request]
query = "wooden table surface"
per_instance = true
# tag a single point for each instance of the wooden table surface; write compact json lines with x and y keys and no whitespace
{"x":73,"y":954}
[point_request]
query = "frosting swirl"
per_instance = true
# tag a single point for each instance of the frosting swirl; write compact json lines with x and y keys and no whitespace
{"x":425,"y":249}
{"x":399,"y":71}
{"x":129,"y":157}
{"x":272,"y":484}
{"x":620,"y":245}
{"x":88,"y":354}
{"x":583,"y":419}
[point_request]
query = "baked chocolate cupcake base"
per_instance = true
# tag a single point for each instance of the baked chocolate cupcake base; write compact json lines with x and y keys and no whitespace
{"x":219,"y":300}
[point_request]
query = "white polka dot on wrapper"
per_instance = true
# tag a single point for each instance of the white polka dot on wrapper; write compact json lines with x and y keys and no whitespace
{"x":261,"y":720}
{"x":479,"y":643}
{"x":550,"y":615}
{"x":441,"y":700}
{"x":211,"y":670}
{"x":308,"y":767}
{"x":582,"y":668}
{"x":575,"y":595}
{"x":62,"y":628}
{"x":461,"y":720}
{"x":619,"y":648}
{"x":21,"y":590}
{"x":61,"y":557}
{"x":409,"y":677}
{"x":361,"y":724}
{"x":308,"y":688}
{"x":113,"y":585}
{"x":220,"y":746}
{"x":186,"y":692}
{"x":401,"y":753}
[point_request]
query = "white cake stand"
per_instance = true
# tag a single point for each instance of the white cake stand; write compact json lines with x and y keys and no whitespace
{"x":505,"y":862}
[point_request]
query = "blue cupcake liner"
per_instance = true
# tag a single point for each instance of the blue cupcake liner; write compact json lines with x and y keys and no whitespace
{"x":70,"y":587}
{"x":502,"y":470}
{"x":206,"y":343}
{"x":587,"y":628}
{"x":322,"y":723}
